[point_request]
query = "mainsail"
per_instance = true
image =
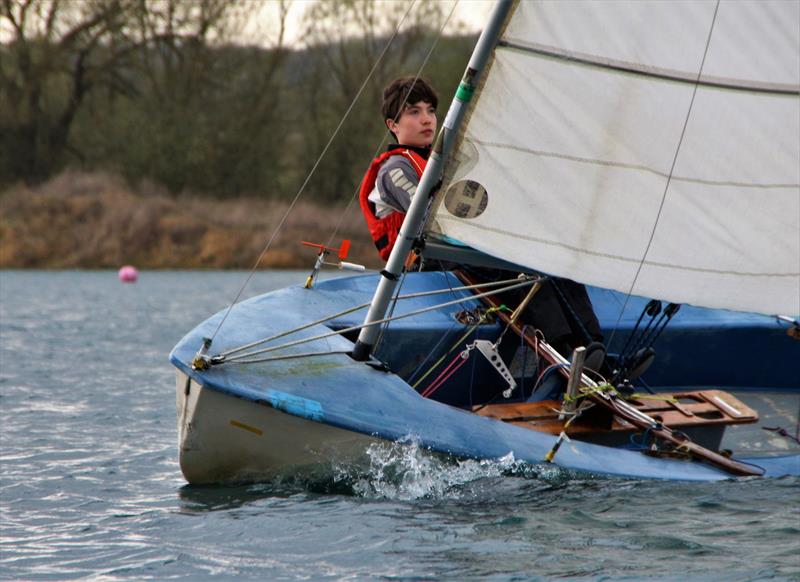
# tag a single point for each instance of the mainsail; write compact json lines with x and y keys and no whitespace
{"x":648,"y":147}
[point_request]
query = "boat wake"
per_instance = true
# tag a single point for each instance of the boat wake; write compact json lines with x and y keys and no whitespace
{"x":406,"y":471}
{"x":399,"y":471}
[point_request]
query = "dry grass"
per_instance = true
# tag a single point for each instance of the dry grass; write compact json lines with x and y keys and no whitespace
{"x":88,"y":221}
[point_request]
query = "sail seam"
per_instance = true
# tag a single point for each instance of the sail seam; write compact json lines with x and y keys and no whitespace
{"x":649,"y":71}
{"x":609,"y":255}
{"x":629,"y":166}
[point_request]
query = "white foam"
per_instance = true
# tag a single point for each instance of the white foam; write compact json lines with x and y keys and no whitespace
{"x":405,"y":470}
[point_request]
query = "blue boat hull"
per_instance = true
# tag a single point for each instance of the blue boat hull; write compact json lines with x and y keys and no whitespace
{"x":350,"y":398}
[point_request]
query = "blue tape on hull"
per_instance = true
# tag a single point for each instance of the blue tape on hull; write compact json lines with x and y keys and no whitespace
{"x":296,"y":405}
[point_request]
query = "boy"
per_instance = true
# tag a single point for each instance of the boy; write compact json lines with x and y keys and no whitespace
{"x":562,"y":309}
{"x":409,"y":112}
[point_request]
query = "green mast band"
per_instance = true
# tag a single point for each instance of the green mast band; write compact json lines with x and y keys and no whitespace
{"x":465,"y":91}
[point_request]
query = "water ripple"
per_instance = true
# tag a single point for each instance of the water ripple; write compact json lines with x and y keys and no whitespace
{"x":90,"y":486}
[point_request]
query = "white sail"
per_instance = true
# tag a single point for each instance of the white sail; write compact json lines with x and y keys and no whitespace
{"x":565,"y":163}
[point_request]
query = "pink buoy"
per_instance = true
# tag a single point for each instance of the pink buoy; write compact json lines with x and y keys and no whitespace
{"x":128,"y":274}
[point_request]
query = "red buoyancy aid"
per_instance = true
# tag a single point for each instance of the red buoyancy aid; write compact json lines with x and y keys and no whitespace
{"x":384,"y":230}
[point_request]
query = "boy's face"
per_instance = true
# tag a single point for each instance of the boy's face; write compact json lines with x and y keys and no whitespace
{"x":416,"y":126}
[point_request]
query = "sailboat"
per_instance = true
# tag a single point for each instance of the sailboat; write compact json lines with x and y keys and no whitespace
{"x":645,"y":149}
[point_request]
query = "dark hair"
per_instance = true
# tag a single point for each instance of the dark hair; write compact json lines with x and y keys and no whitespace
{"x":403,"y":92}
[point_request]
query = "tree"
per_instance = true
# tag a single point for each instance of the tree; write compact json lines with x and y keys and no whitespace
{"x":346,"y":40}
{"x":209,"y":105}
{"x":63,"y":53}
{"x":167,"y":90}
{"x":45,"y":74}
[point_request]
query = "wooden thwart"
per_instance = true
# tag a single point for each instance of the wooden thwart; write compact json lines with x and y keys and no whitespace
{"x":703,"y":409}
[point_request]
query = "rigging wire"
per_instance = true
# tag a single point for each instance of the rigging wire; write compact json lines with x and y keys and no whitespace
{"x":669,"y":177}
{"x":451,"y":290}
{"x":445,"y":336}
{"x":378,"y":322}
{"x":313,"y":169}
{"x":385,"y":327}
{"x":386,"y":133}
{"x":345,"y":212}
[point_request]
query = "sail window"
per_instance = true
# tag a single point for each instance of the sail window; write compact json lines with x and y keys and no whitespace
{"x":466,"y":199}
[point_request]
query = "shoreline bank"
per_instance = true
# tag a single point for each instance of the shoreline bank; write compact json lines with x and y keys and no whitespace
{"x":97,"y":221}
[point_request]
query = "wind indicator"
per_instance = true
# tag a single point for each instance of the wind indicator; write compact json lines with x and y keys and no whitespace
{"x":322,"y":253}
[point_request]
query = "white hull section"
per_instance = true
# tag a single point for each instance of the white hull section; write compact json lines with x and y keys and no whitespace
{"x":224,"y":438}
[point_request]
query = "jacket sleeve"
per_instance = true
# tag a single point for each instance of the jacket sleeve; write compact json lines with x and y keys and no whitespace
{"x":397,"y":182}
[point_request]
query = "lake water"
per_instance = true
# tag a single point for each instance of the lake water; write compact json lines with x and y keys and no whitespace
{"x":90,"y":485}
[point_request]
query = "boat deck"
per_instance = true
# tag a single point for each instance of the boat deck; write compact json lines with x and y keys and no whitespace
{"x":702,"y":413}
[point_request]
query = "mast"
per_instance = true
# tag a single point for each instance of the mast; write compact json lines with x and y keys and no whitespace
{"x":433,"y":171}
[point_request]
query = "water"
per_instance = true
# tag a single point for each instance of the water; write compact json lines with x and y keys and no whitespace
{"x":90,"y":486}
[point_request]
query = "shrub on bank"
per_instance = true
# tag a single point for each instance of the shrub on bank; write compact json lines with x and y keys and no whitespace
{"x":96,"y":220}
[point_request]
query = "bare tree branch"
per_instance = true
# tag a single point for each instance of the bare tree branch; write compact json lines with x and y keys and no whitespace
{"x":51,"y":18}
{"x":8,"y":12}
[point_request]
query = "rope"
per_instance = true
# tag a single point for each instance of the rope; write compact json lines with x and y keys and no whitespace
{"x":451,"y":369}
{"x":782,"y":432}
{"x":649,"y":309}
{"x":311,"y":173}
{"x":642,"y":446}
{"x":457,"y":343}
{"x":545,"y":373}
{"x":669,"y":177}
{"x":431,"y":352}
{"x":642,"y":384}
{"x":444,"y":336}
{"x":566,"y":303}
{"x":573,"y":415}
{"x":524,"y":360}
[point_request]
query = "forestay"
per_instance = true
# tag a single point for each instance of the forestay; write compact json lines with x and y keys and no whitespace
{"x":568,"y":153}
